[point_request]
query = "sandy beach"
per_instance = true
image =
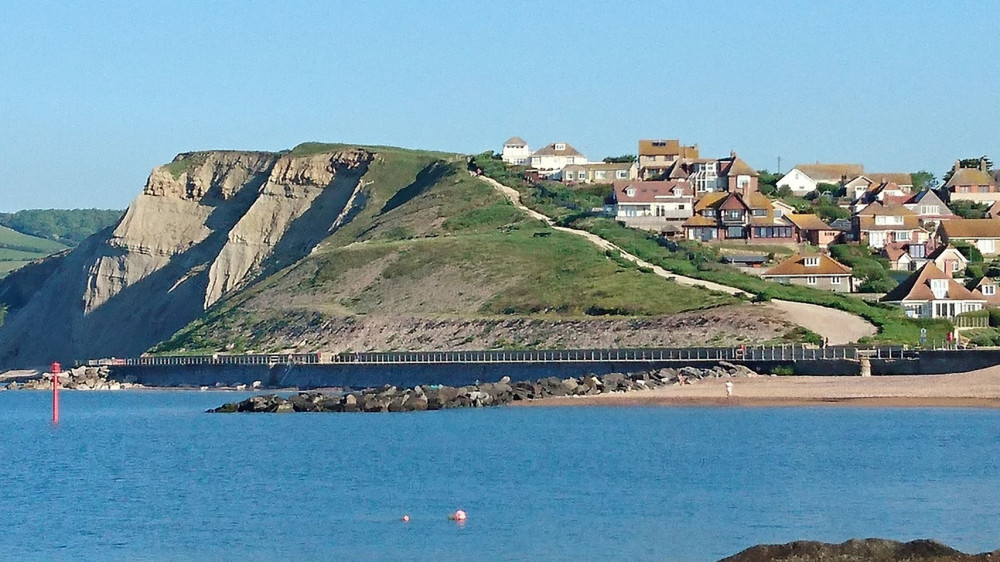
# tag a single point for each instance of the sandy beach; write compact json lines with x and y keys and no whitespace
{"x":977,"y":389}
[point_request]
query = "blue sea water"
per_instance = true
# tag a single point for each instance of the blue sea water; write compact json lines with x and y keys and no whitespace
{"x":149,"y":476}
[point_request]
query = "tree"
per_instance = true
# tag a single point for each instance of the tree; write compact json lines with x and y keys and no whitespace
{"x":767,"y":182}
{"x":623,"y":159}
{"x":923,"y":180}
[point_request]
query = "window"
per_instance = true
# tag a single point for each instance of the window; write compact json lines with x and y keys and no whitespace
{"x":621,"y":174}
{"x":811,"y":280}
{"x":600,"y":175}
{"x":760,"y":212}
{"x":940,"y":288}
{"x":989,"y":290}
{"x":560,"y":146}
{"x":708,"y":212}
{"x":778,"y":213}
{"x":629,"y":191}
{"x":984,"y":189}
{"x":681,"y":207}
{"x":812,"y":262}
{"x":930,"y":209}
{"x":742,"y":181}
{"x":569,"y":176}
{"x":734,"y":232}
{"x":835,"y":280}
{"x":888,"y":219}
{"x":732,"y":215}
{"x":917,"y":251}
{"x":902,"y":235}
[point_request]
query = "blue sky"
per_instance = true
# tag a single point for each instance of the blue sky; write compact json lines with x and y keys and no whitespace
{"x":95,"y":94}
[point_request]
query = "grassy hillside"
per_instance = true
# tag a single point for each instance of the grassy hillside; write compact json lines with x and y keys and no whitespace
{"x":434,"y":243}
{"x":17,"y":249}
{"x":66,"y":226}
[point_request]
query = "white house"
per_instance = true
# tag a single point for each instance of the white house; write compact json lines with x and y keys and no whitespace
{"x":805,"y":177}
{"x":798,"y":182}
{"x":515,"y":151}
{"x":553,"y":158}
{"x":653,"y":205}
{"x":932,"y":293}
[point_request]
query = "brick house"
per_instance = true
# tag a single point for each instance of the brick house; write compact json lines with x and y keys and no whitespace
{"x":811,"y":229}
{"x":972,"y":184}
{"x":987,"y":288}
{"x":723,"y":216}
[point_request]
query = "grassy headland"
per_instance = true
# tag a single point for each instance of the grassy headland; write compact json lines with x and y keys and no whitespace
{"x":433,"y":244}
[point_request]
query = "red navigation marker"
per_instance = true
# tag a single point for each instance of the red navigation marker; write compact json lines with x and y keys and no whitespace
{"x":55,"y":368}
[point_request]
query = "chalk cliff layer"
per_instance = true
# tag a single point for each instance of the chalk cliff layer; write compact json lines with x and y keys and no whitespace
{"x":205,"y":225}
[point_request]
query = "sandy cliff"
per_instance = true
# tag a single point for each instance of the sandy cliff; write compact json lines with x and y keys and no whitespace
{"x":204,"y":225}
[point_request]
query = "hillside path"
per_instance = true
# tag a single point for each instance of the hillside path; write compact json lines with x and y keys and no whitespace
{"x":837,"y":326}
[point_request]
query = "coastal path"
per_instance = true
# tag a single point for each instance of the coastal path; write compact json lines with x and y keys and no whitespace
{"x":836,"y":326}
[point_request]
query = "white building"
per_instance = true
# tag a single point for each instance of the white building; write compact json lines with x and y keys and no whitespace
{"x":932,"y":293}
{"x":798,"y":182}
{"x":516,"y":151}
{"x":553,"y":158}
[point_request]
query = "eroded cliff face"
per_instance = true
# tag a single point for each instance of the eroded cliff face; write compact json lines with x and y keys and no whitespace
{"x":204,"y":225}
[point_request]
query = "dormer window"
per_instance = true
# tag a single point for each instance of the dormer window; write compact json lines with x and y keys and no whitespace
{"x":940,"y":288}
{"x":812,"y":262}
{"x":678,"y":192}
{"x":560,"y":146}
{"x":989,"y":290}
{"x":630,"y":192}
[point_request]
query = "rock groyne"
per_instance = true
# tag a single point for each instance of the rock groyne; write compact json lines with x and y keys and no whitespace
{"x":437,"y":397}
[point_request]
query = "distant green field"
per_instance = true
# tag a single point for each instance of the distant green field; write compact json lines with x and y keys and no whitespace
{"x":18,"y":249}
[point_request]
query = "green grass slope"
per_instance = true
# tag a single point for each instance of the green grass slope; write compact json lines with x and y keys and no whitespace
{"x":433,"y":242}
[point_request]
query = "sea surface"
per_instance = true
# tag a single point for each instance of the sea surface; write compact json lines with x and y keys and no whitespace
{"x":149,"y":476}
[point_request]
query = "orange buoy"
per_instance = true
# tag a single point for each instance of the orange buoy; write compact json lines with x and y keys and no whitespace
{"x":459,"y":515}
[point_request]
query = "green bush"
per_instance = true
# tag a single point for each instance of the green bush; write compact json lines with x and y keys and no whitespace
{"x":970,"y":252}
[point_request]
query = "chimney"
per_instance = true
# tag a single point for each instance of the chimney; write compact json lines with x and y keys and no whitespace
{"x":982,"y":164}
{"x":732,"y":154}
{"x":958,"y":164}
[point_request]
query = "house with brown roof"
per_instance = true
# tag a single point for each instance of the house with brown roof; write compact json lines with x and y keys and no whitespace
{"x":551,"y":159}
{"x":653,"y":205}
{"x":949,"y":260}
{"x":858,"y":185}
{"x":972,"y":184}
{"x":930,"y":209}
{"x":987,"y":288}
{"x":515,"y":151}
{"x":984,"y":234}
{"x":657,"y":157}
{"x":931,"y":293}
{"x":884,"y":192}
{"x":906,"y":256}
{"x":994,"y":211}
{"x":599,"y":172}
{"x":877,"y":225}
{"x":804,"y":178}
{"x":722,"y":216}
{"x":812,"y":229}
{"x":819,"y":271}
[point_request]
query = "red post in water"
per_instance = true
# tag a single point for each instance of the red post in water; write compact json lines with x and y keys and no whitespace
{"x":55,"y":368}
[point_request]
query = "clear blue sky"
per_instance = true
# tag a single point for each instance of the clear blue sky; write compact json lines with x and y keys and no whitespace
{"x":94,"y":94}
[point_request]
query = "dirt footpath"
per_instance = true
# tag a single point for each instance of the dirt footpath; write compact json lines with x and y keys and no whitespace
{"x":837,"y":326}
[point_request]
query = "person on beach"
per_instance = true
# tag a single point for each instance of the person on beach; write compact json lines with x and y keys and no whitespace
{"x":729,"y":389}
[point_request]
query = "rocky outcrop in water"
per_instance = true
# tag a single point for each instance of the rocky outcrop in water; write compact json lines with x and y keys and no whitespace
{"x":866,"y":550}
{"x":437,"y":397}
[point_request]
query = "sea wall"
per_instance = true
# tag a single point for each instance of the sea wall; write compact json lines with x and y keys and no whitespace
{"x":357,"y":375}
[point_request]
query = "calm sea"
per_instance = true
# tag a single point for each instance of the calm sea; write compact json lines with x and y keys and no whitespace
{"x":147,"y":475}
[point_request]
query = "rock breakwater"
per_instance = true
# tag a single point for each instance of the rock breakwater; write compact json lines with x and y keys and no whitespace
{"x":79,"y":378}
{"x":436,"y":397}
{"x":858,"y":550}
